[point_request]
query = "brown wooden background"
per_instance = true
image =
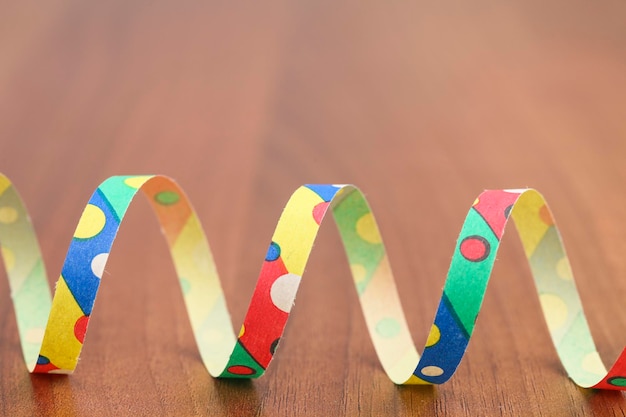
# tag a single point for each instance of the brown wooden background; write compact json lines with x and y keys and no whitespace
{"x":421,"y":104}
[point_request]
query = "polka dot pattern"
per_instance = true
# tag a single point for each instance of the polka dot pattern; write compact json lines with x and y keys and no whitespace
{"x":555,"y":310}
{"x":563,"y":269}
{"x":544,"y":214}
{"x":136,"y":181}
{"x":281,"y":274}
{"x":167,"y":198}
{"x":91,"y":222}
{"x":618,"y":381}
{"x":44,"y":365}
{"x":98,"y":263}
{"x":319,"y":211}
{"x":9,"y":258}
{"x":185,"y":285}
{"x":593,"y":364}
{"x":359,"y":273}
{"x":8,"y":215}
{"x":273,"y":252}
{"x":35,"y":335}
{"x":93,"y":239}
{"x":367,"y":230}
{"x":80,"y":328}
{"x":274,"y":345}
{"x":241,"y":370}
{"x":433,"y":336}
{"x":475,"y":248}
{"x":388,"y":328}
{"x":432,"y":371}
{"x":283,"y":291}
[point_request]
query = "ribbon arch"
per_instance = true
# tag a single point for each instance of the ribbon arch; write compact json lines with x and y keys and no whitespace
{"x":52,"y":329}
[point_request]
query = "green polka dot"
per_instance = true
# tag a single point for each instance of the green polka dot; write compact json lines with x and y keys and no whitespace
{"x":618,"y":381}
{"x":167,"y":198}
{"x":388,"y":328}
{"x":185,"y":285}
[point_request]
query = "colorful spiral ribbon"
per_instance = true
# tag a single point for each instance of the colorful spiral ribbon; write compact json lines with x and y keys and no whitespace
{"x":52,"y":330}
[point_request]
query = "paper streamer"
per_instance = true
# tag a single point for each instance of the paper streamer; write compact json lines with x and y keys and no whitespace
{"x":52,"y":330}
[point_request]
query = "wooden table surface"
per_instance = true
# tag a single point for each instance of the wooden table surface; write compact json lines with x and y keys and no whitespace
{"x":421,"y":104}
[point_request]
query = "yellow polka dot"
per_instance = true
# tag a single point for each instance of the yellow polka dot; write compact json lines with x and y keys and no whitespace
{"x":136,"y":182}
{"x":367,"y":230}
{"x":4,"y":184}
{"x":242,"y":331}
{"x":358,"y":272}
{"x":433,"y":336}
{"x":593,"y":364}
{"x":8,"y":215}
{"x":563,"y":269}
{"x":432,"y":371}
{"x":554,"y":309}
{"x":212,"y":336}
{"x":91,"y":222}
{"x":9,"y":258}
{"x":413,"y":380}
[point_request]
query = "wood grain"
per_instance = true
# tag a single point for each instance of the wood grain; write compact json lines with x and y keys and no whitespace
{"x":422,"y":105}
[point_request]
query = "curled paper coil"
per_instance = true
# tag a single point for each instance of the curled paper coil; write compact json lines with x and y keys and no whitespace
{"x":52,"y":329}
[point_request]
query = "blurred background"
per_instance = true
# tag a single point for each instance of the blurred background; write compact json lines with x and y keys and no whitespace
{"x":421,"y":104}
{"x":230,"y":99}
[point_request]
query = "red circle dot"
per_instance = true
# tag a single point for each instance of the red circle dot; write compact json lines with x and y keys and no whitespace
{"x":319,"y":211}
{"x":80,"y":328}
{"x":241,"y":370}
{"x":44,"y":369}
{"x":475,"y":248}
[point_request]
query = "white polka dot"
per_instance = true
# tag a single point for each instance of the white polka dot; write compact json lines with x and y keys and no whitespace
{"x":201,"y":255}
{"x":554,"y":310}
{"x":213,"y":336}
{"x":432,"y":371}
{"x":283,"y":291}
{"x":563,"y":269}
{"x":593,"y":364}
{"x":97,"y":264}
{"x":35,"y":335}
